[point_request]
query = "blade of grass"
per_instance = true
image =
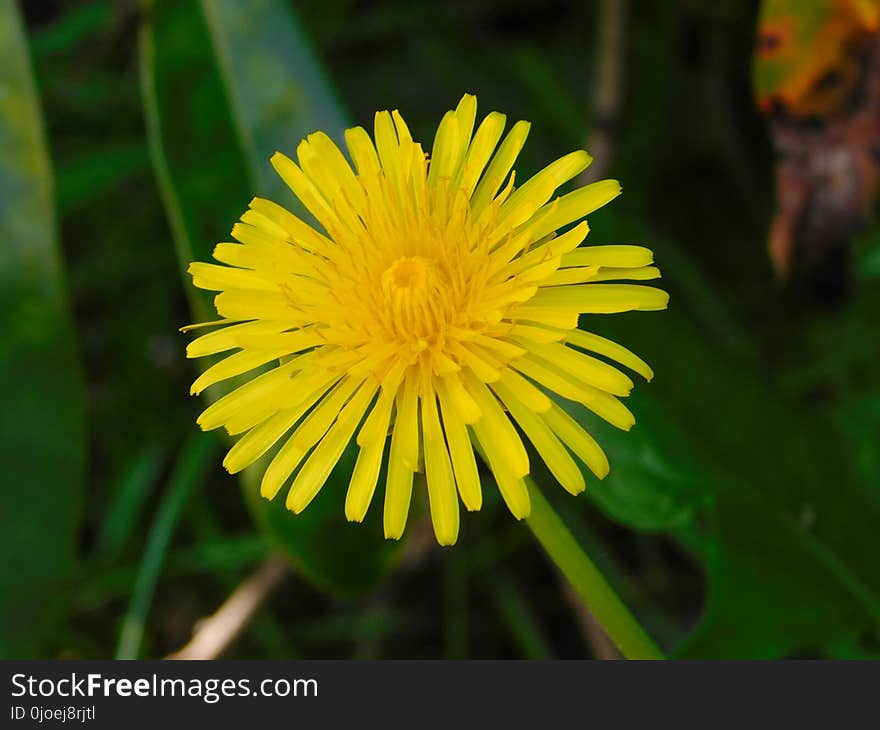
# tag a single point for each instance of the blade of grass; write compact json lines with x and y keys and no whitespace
{"x":217,"y":555}
{"x":343,"y":628}
{"x":517,"y":614}
{"x":188,"y":472}
{"x":455,"y":594}
{"x":139,"y":477}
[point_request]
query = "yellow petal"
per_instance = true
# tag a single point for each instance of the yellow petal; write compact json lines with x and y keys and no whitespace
{"x":327,"y":453}
{"x":573,"y":206}
{"x":203,"y":325}
{"x":608,"y":348}
{"x":537,"y":333}
{"x":407,"y":421}
{"x":554,"y":454}
{"x":551,"y":316}
{"x":237,"y":304}
{"x":453,"y":392}
{"x":307,"y":434}
{"x":602,"y":298}
{"x":366,"y":468}
{"x":618,"y":256}
{"x":578,"y":440}
{"x":638,"y":273}
{"x":531,"y":195}
{"x":218,"y":278}
{"x":481,"y":148}
{"x":466,"y":113}
{"x":287,"y":342}
{"x":387,"y":144}
{"x":362,"y":151}
{"x":259,"y":440}
{"x":461,"y":451}
{"x":513,"y":489}
{"x":258,"y":389}
{"x":229,"y":367}
{"x":331,"y":173}
{"x":502,"y":441}
{"x":609,"y":409}
{"x":307,"y":192}
{"x":530,"y":396}
{"x":501,"y":165}
{"x":398,"y":486}
{"x":227,"y":338}
{"x":298,"y":231}
{"x":555,"y":248}
{"x":586,"y":274}
{"x":375,"y":426}
{"x":442,"y":495}
{"x":448,"y":150}
{"x":552,"y":378}
{"x":584,"y":368}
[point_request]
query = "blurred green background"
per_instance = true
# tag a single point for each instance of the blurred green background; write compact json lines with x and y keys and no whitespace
{"x":742,"y":514}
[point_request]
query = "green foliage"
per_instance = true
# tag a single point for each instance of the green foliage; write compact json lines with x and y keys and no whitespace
{"x":42,"y":422}
{"x":277,"y":92}
{"x":656,"y":482}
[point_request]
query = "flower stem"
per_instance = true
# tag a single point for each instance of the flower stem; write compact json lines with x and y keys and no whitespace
{"x":607,"y":608}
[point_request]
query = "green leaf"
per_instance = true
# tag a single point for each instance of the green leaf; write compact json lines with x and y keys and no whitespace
{"x":774,"y":588}
{"x":42,"y":422}
{"x":277,"y":90}
{"x":790,"y":564}
{"x":202,"y":175}
{"x":225,"y":84}
{"x":787,"y":498}
{"x":656,"y":481}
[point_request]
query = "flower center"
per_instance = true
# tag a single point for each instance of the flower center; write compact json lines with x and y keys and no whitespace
{"x":408,"y":272}
{"x":416,"y":300}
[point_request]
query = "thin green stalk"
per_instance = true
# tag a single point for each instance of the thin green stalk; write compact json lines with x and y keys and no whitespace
{"x":187,"y":474}
{"x":455,"y":593}
{"x":517,"y":613}
{"x":130,"y":497}
{"x":607,"y":608}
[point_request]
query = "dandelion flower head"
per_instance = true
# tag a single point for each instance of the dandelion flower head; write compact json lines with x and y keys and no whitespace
{"x":432,"y":313}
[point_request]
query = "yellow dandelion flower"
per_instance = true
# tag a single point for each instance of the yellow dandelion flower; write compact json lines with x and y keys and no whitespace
{"x":435,"y":309}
